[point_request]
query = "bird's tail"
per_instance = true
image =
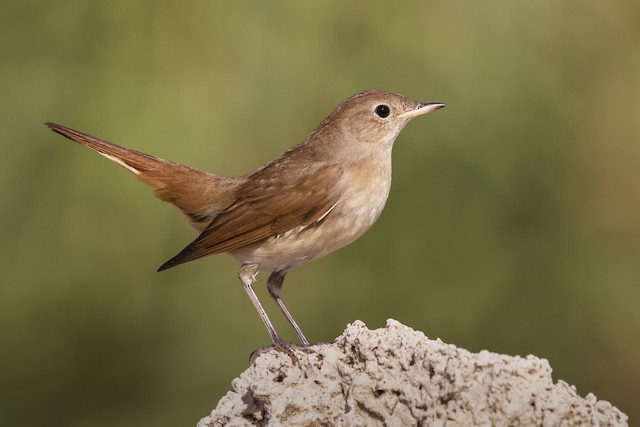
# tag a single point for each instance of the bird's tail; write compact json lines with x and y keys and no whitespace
{"x":199,"y":195}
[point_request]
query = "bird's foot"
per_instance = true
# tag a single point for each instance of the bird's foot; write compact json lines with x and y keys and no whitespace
{"x":285,"y":347}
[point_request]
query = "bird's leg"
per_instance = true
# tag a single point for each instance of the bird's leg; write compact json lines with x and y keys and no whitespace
{"x":247,"y":276}
{"x":274,"y":285}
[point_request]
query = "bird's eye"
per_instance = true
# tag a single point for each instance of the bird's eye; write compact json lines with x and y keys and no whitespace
{"x":382,"y":111}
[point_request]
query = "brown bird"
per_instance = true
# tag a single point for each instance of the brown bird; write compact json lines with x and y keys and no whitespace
{"x":315,"y":198}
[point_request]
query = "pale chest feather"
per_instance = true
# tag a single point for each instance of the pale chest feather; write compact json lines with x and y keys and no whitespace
{"x":358,"y":208}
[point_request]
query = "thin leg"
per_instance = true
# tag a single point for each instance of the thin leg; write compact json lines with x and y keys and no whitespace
{"x":247,"y":275}
{"x":274,"y":285}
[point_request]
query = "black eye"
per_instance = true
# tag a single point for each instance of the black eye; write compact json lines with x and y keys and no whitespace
{"x":382,"y":111}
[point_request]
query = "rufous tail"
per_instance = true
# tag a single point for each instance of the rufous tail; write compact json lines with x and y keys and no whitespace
{"x":199,"y":195}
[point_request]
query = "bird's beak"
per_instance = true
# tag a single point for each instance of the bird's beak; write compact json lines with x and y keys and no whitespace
{"x":422,"y":108}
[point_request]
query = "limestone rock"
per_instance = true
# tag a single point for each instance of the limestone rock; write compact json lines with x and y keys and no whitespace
{"x":395,"y":376}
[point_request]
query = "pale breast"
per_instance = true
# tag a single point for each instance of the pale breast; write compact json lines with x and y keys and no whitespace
{"x":357,"y":210}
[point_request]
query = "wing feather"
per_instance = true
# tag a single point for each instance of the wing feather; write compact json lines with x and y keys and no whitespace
{"x":263,"y":210}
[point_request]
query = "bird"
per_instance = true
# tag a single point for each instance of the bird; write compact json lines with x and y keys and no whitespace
{"x":315,"y":198}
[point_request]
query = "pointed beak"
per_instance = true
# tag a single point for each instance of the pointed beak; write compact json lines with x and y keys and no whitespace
{"x":422,"y":108}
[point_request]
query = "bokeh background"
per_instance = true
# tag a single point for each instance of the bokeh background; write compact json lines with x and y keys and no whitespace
{"x":513,"y":223}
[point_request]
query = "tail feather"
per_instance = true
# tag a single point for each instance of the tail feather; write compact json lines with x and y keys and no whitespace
{"x":199,"y":195}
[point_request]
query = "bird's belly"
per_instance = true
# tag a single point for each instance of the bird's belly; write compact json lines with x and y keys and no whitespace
{"x":349,"y":220}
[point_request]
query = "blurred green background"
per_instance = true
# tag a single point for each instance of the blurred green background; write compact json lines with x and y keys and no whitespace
{"x":513,"y":223}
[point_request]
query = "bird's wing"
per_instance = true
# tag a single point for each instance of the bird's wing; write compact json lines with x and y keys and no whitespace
{"x":265,"y":210}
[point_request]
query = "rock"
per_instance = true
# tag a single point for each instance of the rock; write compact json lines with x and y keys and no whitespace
{"x":395,"y":376}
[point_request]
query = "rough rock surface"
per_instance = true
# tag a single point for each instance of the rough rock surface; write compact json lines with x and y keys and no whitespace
{"x":396,"y":376}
